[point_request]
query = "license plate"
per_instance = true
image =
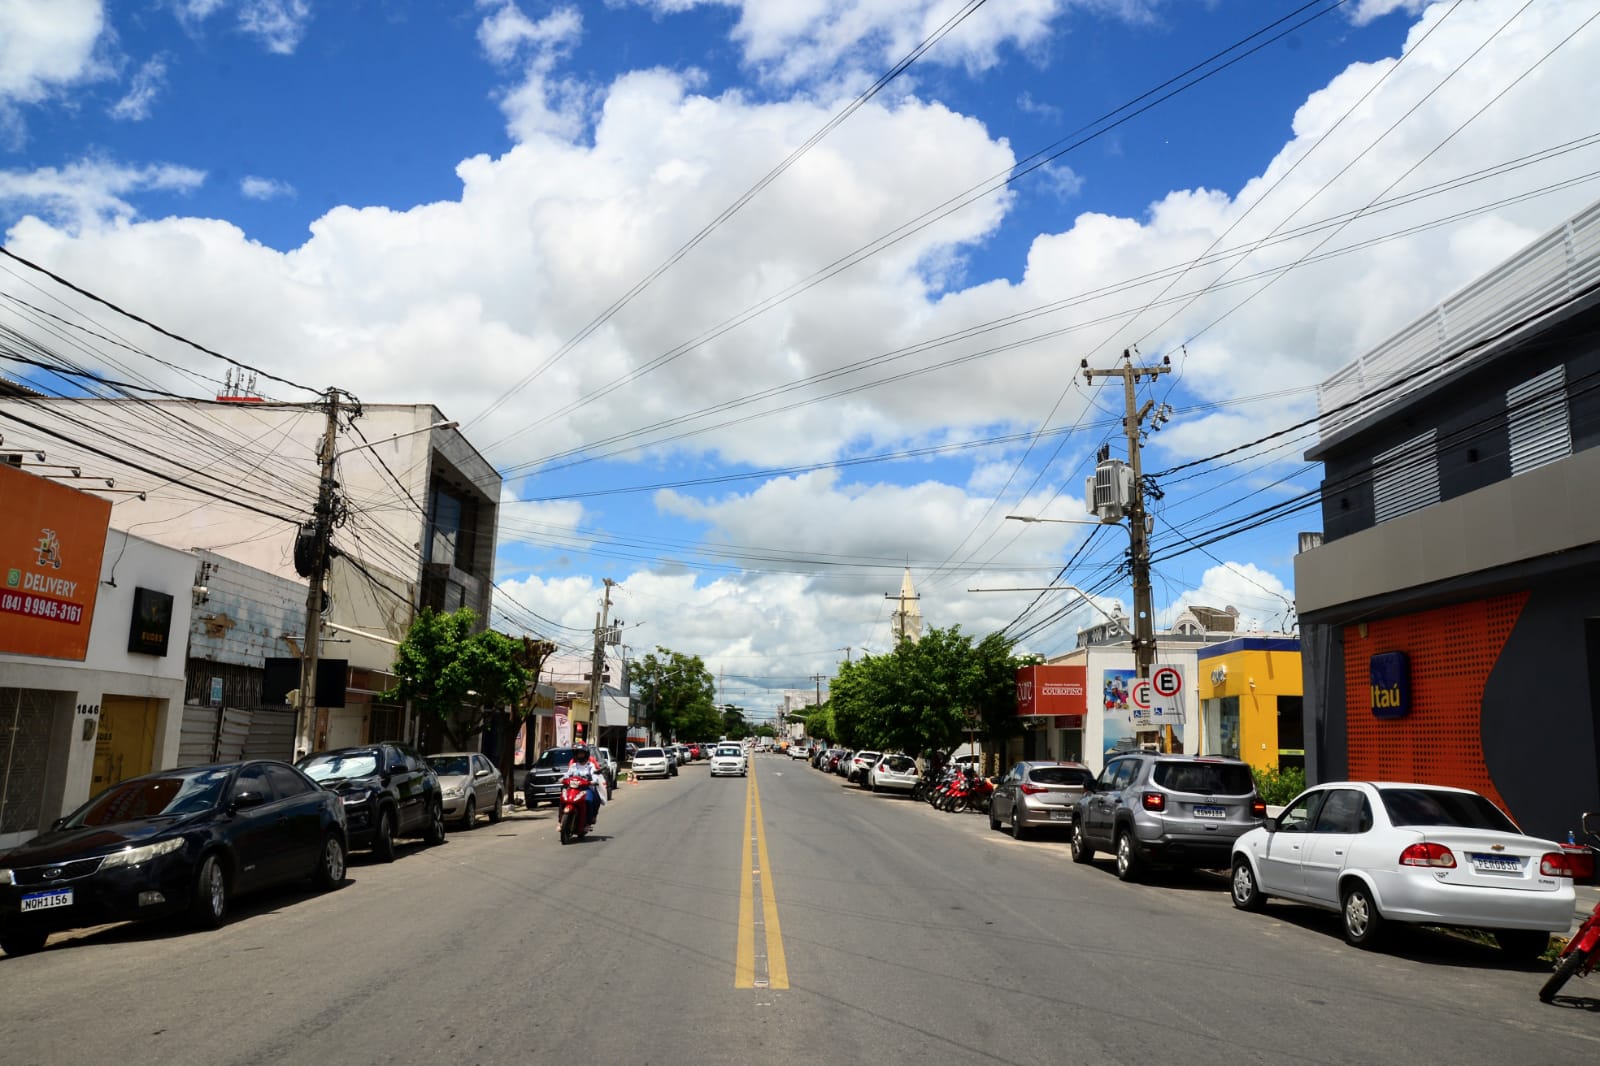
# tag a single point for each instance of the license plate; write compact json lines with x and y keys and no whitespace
{"x":1058,"y":816}
{"x":43,"y":901}
{"x":1500,"y":864}
{"x":1211,"y":812}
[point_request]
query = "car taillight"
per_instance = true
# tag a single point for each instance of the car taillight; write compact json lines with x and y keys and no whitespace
{"x":1556,"y":864}
{"x":1428,"y":855}
{"x":1258,"y":808}
{"x":1032,"y":789}
{"x":1154,"y":801}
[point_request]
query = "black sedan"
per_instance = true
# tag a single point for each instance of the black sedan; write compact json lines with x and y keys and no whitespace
{"x":176,"y":841}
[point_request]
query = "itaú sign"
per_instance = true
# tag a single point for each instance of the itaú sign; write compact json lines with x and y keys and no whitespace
{"x":1051,"y":690}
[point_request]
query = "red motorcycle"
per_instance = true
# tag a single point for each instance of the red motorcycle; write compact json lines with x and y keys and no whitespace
{"x":574,"y":808}
{"x":1583,"y":950}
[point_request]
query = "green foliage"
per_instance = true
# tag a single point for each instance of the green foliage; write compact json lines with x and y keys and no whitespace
{"x":734,"y":726}
{"x":926,"y":694}
{"x":679,"y":695}
{"x":819,"y":723}
{"x":1278,"y":787}
{"x":455,"y":674}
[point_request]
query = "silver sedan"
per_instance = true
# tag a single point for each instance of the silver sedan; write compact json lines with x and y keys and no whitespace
{"x":471,"y":786}
{"x":1393,"y":852}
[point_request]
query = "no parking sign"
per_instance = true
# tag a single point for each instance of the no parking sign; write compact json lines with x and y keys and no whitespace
{"x":1167,"y":681}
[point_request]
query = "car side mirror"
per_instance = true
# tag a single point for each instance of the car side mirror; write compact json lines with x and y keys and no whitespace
{"x":1591,"y":823}
{"x":1088,"y":786}
{"x":243,"y":801}
{"x":1271,"y":824}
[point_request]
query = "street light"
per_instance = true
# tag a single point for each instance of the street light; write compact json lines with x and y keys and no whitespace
{"x":394,"y":437}
{"x":1062,"y":521}
{"x":1059,"y":588}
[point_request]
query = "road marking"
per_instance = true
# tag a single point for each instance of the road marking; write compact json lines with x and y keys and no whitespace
{"x":769,"y":968}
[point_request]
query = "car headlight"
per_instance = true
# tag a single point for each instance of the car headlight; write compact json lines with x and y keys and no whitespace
{"x":454,"y":792}
{"x":6,"y":878}
{"x":354,"y":799}
{"x":134,"y":856}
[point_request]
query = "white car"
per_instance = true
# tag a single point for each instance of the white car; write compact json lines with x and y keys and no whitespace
{"x":728,"y":759}
{"x":897,"y":772}
{"x":651,"y":762}
{"x":860,"y":763}
{"x":797,"y":751}
{"x":1380,"y":852}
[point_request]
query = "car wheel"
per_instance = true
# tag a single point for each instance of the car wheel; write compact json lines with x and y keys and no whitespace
{"x":1363,"y":925}
{"x":1522,"y":945}
{"x":1082,"y":852}
{"x":208,"y":906}
{"x":994,"y":823}
{"x":331,"y":863}
{"x":1129,"y":865}
{"x":435,"y":833}
{"x":499,"y":810}
{"x":1246,"y":893}
{"x":22,"y":940}
{"x":1018,"y":830}
{"x":383,"y":836}
{"x":471,"y":816}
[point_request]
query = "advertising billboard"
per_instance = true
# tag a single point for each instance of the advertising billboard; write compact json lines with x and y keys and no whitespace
{"x":52,"y":539}
{"x":1053,"y":691}
{"x":1131,"y":706}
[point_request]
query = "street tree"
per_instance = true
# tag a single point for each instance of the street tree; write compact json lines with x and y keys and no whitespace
{"x":458,"y":678}
{"x":734,"y":725}
{"x":679,"y":695}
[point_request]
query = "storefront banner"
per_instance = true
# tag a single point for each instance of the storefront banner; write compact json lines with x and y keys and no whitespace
{"x":1052,"y":690}
{"x":563,"y":728}
{"x":52,"y":539}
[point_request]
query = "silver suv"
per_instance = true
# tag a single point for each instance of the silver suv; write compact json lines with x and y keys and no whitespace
{"x":1167,"y":810}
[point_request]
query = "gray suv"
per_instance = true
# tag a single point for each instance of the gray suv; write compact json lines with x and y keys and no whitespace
{"x":1150,"y":809}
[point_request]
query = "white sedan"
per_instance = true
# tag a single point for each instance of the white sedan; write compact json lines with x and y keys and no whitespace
{"x":651,"y":762}
{"x":898,"y":772}
{"x":728,"y":759}
{"x":1380,"y":852}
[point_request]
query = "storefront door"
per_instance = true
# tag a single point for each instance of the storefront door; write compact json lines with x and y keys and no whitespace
{"x":126,"y":743}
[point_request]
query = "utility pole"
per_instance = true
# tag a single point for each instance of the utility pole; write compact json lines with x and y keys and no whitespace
{"x":597,"y":668}
{"x":311,"y":560}
{"x":818,"y":679}
{"x":1144,"y":638}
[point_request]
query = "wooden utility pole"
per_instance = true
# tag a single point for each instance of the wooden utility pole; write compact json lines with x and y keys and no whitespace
{"x":597,"y":668}
{"x":1144,"y":638}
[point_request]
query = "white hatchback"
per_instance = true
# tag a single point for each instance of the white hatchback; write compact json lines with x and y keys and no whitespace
{"x":1380,"y":852}
{"x":728,"y":760}
{"x":651,"y":762}
{"x":898,"y":772}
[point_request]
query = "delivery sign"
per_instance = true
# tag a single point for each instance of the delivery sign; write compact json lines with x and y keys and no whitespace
{"x":51,"y":542}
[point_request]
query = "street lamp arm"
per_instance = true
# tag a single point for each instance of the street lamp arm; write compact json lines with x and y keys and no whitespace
{"x":394,"y":437}
{"x":1061,"y":521}
{"x":1082,"y":595}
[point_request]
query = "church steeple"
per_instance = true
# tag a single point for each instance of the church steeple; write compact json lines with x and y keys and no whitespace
{"x":906,"y":621}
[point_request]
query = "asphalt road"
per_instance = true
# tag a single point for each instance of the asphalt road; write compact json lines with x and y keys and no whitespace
{"x":876,"y":931}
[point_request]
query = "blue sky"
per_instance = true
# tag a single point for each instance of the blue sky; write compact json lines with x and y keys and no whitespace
{"x":366,"y":193}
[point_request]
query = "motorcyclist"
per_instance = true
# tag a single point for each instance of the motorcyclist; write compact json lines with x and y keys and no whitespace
{"x":585,"y":765}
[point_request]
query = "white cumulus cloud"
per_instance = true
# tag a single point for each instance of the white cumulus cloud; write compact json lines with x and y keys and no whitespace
{"x":147,"y":83}
{"x":252,"y":187}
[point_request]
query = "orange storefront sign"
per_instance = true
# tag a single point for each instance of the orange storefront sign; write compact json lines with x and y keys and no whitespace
{"x":1052,"y":691}
{"x":51,"y":542}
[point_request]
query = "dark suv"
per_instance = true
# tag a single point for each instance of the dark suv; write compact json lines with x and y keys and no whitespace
{"x":388,"y":791}
{"x":1168,"y":810}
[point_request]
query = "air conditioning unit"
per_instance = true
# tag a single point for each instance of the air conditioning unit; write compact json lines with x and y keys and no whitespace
{"x":1110,"y":491}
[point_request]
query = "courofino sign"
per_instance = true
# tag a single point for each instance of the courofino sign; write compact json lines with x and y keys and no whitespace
{"x":52,"y":539}
{"x":1046,"y":691}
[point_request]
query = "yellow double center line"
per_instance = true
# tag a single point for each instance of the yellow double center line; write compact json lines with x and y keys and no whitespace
{"x":768,"y":968}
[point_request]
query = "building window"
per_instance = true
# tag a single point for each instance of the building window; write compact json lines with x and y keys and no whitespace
{"x":1405,"y":478}
{"x":453,"y":525}
{"x":1222,"y":726}
{"x":1536,"y":412}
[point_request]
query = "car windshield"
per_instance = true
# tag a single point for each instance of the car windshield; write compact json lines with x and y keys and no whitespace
{"x":649,"y":753}
{"x":340,"y":765}
{"x":450,"y":765}
{"x":1205,"y":778}
{"x":171,"y":795}
{"x":900,"y":764}
{"x":555,"y":758}
{"x":1436,"y":807}
{"x":731,"y":751}
{"x":1059,"y":775}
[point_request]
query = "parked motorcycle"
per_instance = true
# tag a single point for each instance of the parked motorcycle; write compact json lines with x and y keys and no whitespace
{"x":1583,"y":950}
{"x":574,"y":808}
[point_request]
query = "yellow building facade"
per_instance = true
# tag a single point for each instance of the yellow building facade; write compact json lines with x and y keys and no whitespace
{"x":1251,"y":701}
